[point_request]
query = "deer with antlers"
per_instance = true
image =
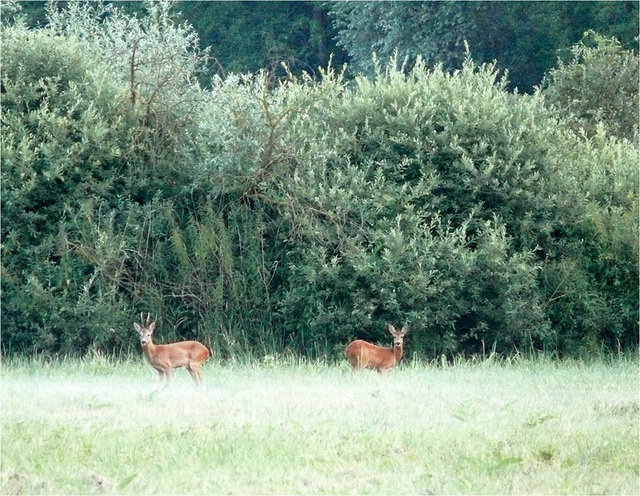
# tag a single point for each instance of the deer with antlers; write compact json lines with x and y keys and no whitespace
{"x":166,"y":357}
{"x":363,"y":355}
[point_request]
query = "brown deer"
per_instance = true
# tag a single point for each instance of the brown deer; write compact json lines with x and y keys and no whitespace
{"x":166,"y":357}
{"x":363,"y":355}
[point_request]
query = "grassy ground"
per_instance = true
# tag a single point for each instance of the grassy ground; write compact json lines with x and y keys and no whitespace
{"x":96,"y":427}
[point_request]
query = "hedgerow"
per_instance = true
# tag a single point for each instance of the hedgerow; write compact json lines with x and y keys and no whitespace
{"x":261,"y":216}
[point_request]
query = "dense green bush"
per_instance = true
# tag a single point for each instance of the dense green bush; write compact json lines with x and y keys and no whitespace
{"x":262,"y":216}
{"x":62,"y":143}
{"x":598,"y":86}
{"x":411,"y":225}
{"x":439,"y":199}
{"x":590,"y":279}
{"x":83,"y":164}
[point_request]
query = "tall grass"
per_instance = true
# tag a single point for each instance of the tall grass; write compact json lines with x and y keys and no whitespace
{"x":97,"y":426}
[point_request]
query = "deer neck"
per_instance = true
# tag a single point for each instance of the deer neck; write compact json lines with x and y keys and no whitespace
{"x":149,"y":350}
{"x":397,"y":353}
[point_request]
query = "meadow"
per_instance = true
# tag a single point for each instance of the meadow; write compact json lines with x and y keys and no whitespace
{"x":286,"y":426}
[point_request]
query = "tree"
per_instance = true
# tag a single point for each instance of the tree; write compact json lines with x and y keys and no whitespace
{"x":249,"y":36}
{"x":523,"y":37}
{"x":598,"y":86}
{"x":434,"y":30}
{"x":241,"y":36}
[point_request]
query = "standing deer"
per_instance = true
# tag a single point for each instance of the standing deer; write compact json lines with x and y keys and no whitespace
{"x":166,"y":357}
{"x":363,"y":355}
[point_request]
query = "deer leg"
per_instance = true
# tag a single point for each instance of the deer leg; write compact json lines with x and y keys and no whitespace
{"x":359,"y":364}
{"x":163,"y":378}
{"x":195,"y":374}
{"x":356,"y":364}
{"x":167,"y":376}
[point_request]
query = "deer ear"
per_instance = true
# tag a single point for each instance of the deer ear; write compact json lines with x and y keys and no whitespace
{"x":136,"y":326}
{"x":405,"y":328}
{"x":391,"y":328}
{"x":152,"y":327}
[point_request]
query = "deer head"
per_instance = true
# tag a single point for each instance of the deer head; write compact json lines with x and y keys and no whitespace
{"x":145,"y":329}
{"x":398,"y":336}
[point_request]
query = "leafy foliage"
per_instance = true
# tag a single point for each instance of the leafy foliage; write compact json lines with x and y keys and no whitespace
{"x":246,"y":37}
{"x":262,"y":216}
{"x":524,"y":37}
{"x":598,"y":85}
{"x":62,"y":143}
{"x":433,"y":30}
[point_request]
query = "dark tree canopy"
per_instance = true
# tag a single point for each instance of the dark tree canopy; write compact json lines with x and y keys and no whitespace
{"x":525,"y":38}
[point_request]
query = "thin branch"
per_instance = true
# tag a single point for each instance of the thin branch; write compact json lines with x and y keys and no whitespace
{"x":132,"y":72}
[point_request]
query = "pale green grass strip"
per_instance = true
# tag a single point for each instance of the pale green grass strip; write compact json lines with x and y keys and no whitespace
{"x":95,"y":427}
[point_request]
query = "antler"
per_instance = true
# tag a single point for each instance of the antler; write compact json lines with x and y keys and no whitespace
{"x":142,"y":321}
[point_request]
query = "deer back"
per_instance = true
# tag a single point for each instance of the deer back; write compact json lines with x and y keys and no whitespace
{"x":177,"y":354}
{"x":366,"y":355}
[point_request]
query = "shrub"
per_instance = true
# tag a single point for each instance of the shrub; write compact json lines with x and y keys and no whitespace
{"x":262,"y":216}
{"x":599,"y":84}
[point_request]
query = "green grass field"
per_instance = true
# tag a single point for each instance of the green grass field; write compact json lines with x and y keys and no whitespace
{"x":95,"y":427}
